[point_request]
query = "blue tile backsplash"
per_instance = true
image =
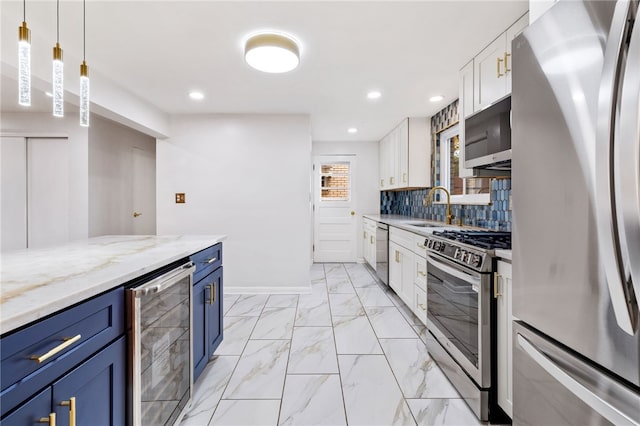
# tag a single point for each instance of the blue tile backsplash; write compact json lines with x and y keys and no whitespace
{"x":496,"y":216}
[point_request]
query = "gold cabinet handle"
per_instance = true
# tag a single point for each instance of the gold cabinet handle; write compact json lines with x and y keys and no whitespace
{"x":136,"y":214}
{"x":424,"y":308}
{"x":506,"y":63}
{"x":496,"y":279}
{"x":397,"y":256}
{"x":51,"y":419}
{"x":424,"y":274}
{"x":371,"y":239}
{"x":209,"y":261}
{"x":498,"y":61}
{"x":212,"y":293}
{"x":391,"y":180}
{"x":364,"y":234}
{"x":381,"y":182}
{"x":71,"y":403}
{"x":420,"y":246}
{"x":404,"y":178}
{"x":68,"y":341}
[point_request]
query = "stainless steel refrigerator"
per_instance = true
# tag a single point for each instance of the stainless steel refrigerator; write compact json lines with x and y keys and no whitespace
{"x":576,"y":216}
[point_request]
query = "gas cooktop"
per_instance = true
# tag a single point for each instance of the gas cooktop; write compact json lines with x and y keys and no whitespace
{"x":489,"y":240}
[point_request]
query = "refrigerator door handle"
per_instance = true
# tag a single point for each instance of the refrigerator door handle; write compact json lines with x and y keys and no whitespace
{"x":627,"y":163}
{"x":602,"y":407}
{"x":605,"y":201}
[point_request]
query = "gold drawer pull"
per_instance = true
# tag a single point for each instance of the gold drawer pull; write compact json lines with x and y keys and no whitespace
{"x":496,"y":279}
{"x":371,"y":239}
{"x":498,"y":62}
{"x":71,"y":403}
{"x":213,"y":259}
{"x":68,"y":341}
{"x":404,"y":178}
{"x":51,"y":419}
{"x":381,"y":182}
{"x":212,"y":293}
{"x":420,"y":246}
{"x":397,"y":256}
{"x":506,"y":63}
{"x":424,"y":308}
{"x":424,"y":274}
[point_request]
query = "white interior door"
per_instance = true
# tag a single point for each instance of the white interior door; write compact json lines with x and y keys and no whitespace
{"x":47,"y":191}
{"x":335,"y":220}
{"x":143,"y":192}
{"x":13,"y":193}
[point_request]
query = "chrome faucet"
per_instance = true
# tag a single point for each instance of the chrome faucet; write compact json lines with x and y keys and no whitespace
{"x":449,"y":215}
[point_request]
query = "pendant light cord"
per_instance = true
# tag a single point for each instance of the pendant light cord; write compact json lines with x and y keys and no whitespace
{"x":58,"y":21}
{"x":24,"y":10}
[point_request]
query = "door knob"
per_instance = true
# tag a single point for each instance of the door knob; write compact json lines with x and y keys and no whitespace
{"x":353,"y":213}
{"x":136,"y":214}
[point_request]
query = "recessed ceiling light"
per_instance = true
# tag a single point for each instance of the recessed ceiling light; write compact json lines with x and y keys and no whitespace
{"x":49,"y":94}
{"x":196,"y":96}
{"x":436,"y":98}
{"x":272,"y":52}
{"x":374,"y":94}
{"x":352,"y":130}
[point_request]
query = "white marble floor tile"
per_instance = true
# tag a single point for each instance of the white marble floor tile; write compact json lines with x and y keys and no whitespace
{"x":408,"y":315}
{"x":445,"y":412}
{"x":312,"y":400}
{"x":313,"y":311}
{"x":371,"y":394}
{"x":228,"y":301}
{"x":208,"y":390}
{"x":319,"y":289}
{"x":354,"y":335}
{"x":260,"y":371}
{"x":421,"y":331}
{"x":246,"y":413}
{"x":236,"y":333}
{"x":339,"y":285}
{"x":282,"y":301}
{"x":334,"y":270}
{"x":416,"y":372}
{"x":373,"y":296}
{"x":360,"y":275}
{"x":248,"y":305}
{"x":345,"y":304}
{"x":312,"y":351}
{"x":388,"y":323}
{"x":274,"y":323}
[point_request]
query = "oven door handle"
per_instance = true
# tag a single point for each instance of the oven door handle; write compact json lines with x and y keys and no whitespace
{"x":452,"y":271}
{"x":165,"y":281}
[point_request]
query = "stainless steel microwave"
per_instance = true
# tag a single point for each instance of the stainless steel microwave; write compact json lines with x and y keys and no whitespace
{"x":487,"y":139}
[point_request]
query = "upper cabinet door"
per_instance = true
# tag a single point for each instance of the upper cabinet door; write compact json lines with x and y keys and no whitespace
{"x":490,"y":82}
{"x":402,"y":172}
{"x":513,"y":32}
{"x":466,"y":108}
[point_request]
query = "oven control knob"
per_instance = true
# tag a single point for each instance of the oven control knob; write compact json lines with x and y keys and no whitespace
{"x":456,"y":253}
{"x":477,"y":260}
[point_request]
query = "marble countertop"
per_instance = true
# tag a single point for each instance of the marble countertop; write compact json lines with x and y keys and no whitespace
{"x":503,"y":254}
{"x":38,"y":282}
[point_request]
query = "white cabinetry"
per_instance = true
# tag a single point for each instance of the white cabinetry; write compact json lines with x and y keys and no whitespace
{"x":405,"y":160}
{"x":492,"y":70}
{"x":369,"y":241}
{"x":408,"y":270}
{"x":465,"y":108}
{"x":502,"y":293}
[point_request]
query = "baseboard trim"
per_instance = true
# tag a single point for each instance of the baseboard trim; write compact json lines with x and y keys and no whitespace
{"x":268,"y":290}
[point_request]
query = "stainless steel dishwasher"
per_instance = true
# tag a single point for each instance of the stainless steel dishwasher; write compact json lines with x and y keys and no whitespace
{"x":382,"y":252}
{"x":160,"y":345}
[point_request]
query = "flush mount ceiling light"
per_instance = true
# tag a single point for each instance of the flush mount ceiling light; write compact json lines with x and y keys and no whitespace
{"x":272,"y":52}
{"x":374,"y":94}
{"x":197,"y":96}
{"x":436,"y":98}
{"x":352,"y":130}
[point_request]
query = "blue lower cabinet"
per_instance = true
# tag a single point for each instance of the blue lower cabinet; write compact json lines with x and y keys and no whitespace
{"x":207,"y":319}
{"x":32,"y":411}
{"x":99,"y":388}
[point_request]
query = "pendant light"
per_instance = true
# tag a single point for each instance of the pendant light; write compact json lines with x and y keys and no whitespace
{"x":84,"y":73}
{"x":24,"y":60}
{"x":58,"y":70}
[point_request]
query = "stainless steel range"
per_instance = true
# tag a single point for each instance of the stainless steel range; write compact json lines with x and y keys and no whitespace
{"x":461,"y":313}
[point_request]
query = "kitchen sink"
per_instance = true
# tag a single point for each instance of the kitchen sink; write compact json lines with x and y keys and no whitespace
{"x":424,"y":225}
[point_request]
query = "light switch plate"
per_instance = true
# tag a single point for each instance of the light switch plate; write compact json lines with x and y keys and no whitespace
{"x":180,"y":199}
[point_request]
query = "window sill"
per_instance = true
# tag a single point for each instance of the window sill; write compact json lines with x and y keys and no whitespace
{"x":470,"y":199}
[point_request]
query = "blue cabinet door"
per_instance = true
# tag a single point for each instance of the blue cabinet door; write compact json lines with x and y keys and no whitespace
{"x":200,"y":356}
{"x":99,"y":386}
{"x":32,"y":411}
{"x":214,"y":312}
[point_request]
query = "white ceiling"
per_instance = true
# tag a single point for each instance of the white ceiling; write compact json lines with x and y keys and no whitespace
{"x":160,"y":50}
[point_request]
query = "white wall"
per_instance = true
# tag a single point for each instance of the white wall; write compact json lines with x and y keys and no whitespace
{"x":111,"y":177}
{"x":45,"y":125}
{"x":367,"y":193}
{"x":246,"y":176}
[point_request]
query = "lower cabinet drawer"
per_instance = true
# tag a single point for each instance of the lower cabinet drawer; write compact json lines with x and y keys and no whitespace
{"x":206,"y":261}
{"x":35,"y":356}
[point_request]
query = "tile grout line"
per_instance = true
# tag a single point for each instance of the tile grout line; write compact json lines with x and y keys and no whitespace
{"x":333,"y":332}
{"x":286,"y":369}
